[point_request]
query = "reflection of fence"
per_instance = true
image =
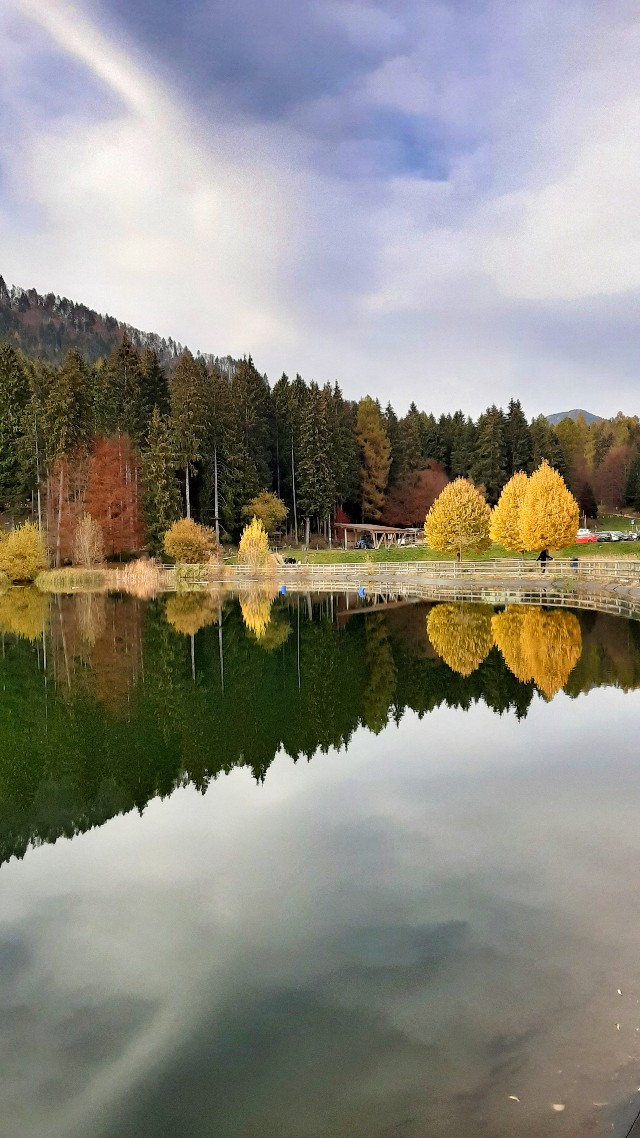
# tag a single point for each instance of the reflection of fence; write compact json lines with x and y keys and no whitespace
{"x":591,"y":584}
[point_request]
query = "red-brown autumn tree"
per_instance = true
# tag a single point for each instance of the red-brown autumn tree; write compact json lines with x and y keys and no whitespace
{"x":409,"y":501}
{"x":610,"y":477}
{"x":112,"y":494}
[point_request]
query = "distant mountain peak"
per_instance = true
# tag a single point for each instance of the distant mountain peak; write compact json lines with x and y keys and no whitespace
{"x":574,"y":414}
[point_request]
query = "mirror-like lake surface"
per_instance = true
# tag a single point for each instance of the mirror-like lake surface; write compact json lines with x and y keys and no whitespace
{"x":321,"y":868}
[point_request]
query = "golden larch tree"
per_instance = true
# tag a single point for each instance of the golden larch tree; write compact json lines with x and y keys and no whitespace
{"x":458,"y":520}
{"x":505,"y":527}
{"x":254,"y":545}
{"x":461,"y":635}
{"x":549,"y":514}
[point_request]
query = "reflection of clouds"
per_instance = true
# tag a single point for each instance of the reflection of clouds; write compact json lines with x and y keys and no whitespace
{"x":398,"y":934}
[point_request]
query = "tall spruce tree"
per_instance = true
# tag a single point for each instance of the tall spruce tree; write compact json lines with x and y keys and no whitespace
{"x":14,"y":397}
{"x":154,"y":386}
{"x":316,"y":481}
{"x":119,"y":404}
{"x":188,"y":394}
{"x":517,"y":439}
{"x":489,"y":468}
{"x":160,"y":497}
{"x":67,"y":408}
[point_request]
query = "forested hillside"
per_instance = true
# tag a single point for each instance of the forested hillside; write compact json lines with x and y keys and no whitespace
{"x":47,"y":327}
{"x":136,"y":443}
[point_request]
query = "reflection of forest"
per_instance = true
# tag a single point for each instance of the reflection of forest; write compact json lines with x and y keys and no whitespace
{"x":121,"y":701}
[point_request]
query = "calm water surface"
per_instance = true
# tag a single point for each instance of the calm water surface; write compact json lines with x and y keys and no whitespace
{"x":293,"y":871}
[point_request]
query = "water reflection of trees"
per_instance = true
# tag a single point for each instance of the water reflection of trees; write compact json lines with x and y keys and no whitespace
{"x":539,"y":645}
{"x":113,"y":711}
{"x":461,"y":635}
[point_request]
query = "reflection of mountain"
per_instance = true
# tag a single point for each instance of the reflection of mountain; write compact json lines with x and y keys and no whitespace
{"x":124,"y":705}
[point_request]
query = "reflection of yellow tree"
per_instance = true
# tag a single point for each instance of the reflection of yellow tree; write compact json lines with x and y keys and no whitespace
{"x":461,"y":635}
{"x":256,"y":612}
{"x":24,"y":612}
{"x":540,"y":646}
{"x":276,"y":633}
{"x":508,"y":627}
{"x":189,"y":612}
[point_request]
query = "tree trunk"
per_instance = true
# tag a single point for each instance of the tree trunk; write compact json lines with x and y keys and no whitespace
{"x":215,"y":493}
{"x":293,"y":483}
{"x":307,"y":528}
{"x":59,"y":533}
{"x":187,"y":491}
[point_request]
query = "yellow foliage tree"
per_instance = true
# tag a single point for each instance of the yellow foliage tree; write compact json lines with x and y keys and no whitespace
{"x":24,"y":612}
{"x":505,"y":527}
{"x":254,"y":545}
{"x":458,"y":520}
{"x":22,"y":553}
{"x":461,"y":635}
{"x":189,"y":543}
{"x":189,"y":612}
{"x":549,"y":514}
{"x":539,"y":645}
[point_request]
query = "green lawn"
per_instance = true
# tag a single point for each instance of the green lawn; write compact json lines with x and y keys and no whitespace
{"x":423,"y":553}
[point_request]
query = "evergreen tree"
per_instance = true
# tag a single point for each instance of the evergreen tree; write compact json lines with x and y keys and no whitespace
{"x":67,"y":408}
{"x":517,"y":439}
{"x":188,"y":394}
{"x":489,"y":468}
{"x":160,"y":497}
{"x":632,"y":491}
{"x":316,"y":483}
{"x":375,"y":457}
{"x":154,"y":386}
{"x":341,"y":416}
{"x":463,"y":444}
{"x":119,"y":404}
{"x":545,"y":445}
{"x":14,"y":396}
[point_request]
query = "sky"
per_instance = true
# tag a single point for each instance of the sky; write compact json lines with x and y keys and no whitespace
{"x":429,"y":200}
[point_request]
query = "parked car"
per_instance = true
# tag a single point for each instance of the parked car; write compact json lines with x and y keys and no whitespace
{"x":584,"y":536}
{"x":616,"y":535}
{"x":603,"y":535}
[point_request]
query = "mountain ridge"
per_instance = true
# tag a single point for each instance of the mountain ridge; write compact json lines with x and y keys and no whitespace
{"x":588,"y":416}
{"x":48,"y":326}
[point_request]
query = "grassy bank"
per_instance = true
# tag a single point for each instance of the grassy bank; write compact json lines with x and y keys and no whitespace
{"x":337,"y":556}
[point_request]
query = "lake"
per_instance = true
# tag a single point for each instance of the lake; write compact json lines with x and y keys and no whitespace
{"x":317,"y":867}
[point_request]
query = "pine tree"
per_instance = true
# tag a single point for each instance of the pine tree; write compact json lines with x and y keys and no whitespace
{"x":67,"y":409}
{"x":545,"y":445}
{"x":517,"y":439}
{"x":154,"y":387}
{"x":316,"y":483}
{"x":188,"y":393}
{"x":463,"y":446}
{"x":14,"y":397}
{"x":458,"y":520}
{"x":549,"y":516}
{"x":375,"y":457}
{"x":119,"y":404}
{"x":489,"y":468}
{"x":160,"y":494}
{"x":506,"y":516}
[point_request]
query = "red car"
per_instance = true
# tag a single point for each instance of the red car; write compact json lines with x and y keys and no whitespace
{"x":584,"y":536}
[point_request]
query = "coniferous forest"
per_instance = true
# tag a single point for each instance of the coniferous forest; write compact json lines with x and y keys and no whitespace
{"x":146,"y":432}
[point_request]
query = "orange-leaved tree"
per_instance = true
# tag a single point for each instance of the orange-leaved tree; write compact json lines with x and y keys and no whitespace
{"x":549,"y":513}
{"x":458,"y":520}
{"x":506,"y":517}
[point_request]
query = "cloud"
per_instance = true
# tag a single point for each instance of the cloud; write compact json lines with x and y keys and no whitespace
{"x":434,"y":199}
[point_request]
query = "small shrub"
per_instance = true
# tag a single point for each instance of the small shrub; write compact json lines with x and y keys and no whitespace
{"x":268,"y":508}
{"x":88,"y":542}
{"x":22,"y":553}
{"x":191,"y":544}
